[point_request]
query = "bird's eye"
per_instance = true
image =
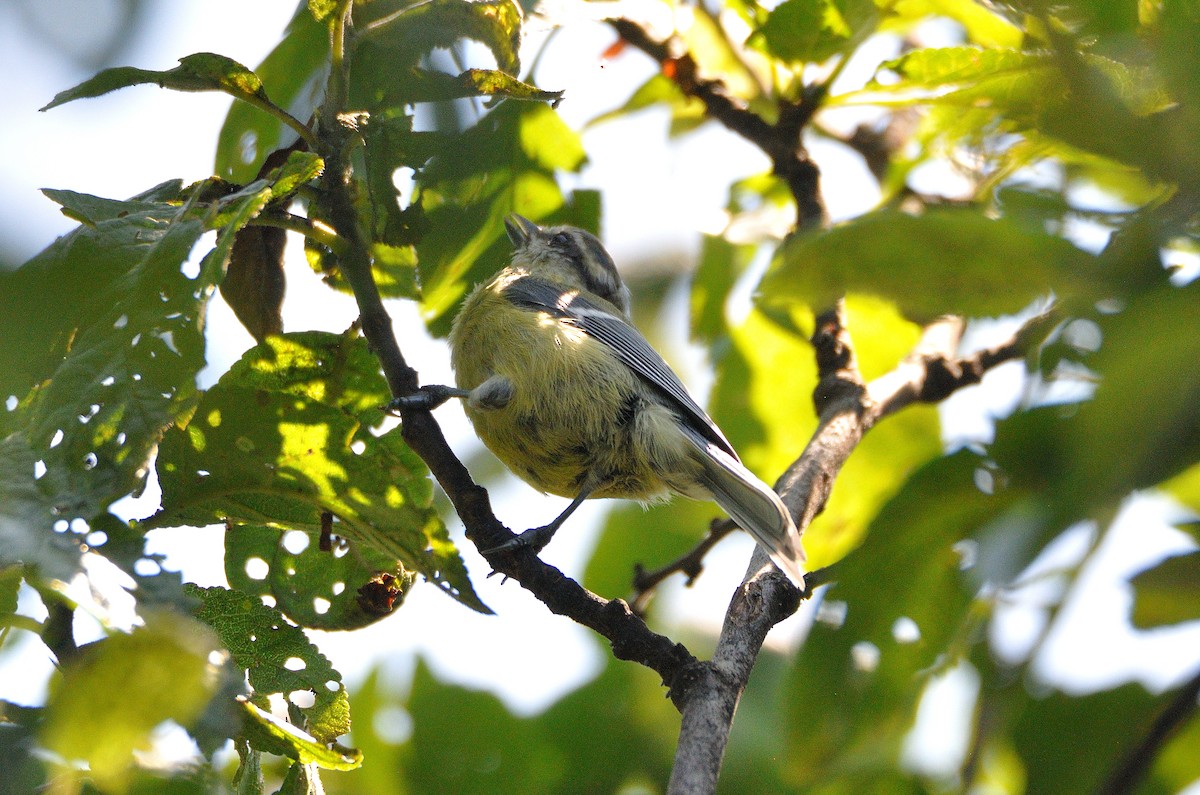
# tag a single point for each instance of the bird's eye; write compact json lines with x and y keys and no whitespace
{"x":562,"y":239}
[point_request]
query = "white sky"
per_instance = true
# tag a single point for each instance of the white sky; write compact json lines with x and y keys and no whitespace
{"x":656,"y":197}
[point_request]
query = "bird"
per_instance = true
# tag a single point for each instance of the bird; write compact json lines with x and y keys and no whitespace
{"x":568,"y":394}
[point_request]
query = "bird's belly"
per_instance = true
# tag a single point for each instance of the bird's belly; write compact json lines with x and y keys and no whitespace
{"x":578,"y":417}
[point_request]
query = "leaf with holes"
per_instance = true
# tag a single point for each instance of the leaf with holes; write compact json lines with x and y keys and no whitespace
{"x":286,"y":435}
{"x":101,"y":337}
{"x":320,"y":588}
{"x":278,"y":657}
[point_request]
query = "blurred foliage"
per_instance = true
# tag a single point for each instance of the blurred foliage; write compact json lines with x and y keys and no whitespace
{"x":1053,"y":116}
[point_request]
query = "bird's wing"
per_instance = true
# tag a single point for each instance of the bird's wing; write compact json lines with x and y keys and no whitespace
{"x":623,"y":339}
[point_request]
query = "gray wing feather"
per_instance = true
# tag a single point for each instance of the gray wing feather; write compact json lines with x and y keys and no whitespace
{"x":625,"y":341}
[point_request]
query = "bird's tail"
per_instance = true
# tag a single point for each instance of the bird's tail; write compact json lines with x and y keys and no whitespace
{"x":754,"y":506}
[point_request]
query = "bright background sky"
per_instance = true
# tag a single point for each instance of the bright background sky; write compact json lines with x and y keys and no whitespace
{"x":657,"y":197}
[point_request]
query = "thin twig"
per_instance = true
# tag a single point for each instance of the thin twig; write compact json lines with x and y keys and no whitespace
{"x":780,"y":141}
{"x":690,"y":564}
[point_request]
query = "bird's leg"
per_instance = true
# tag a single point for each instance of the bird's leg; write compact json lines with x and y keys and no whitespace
{"x":538,"y":537}
{"x":494,"y":393}
{"x":427,"y":398}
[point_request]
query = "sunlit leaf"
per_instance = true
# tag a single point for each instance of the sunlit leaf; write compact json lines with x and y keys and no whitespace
{"x":515,"y":150}
{"x":416,"y":29}
{"x":942,"y":262}
{"x":657,"y":90}
{"x":277,"y":656}
{"x":983,"y":25}
{"x":432,"y":86}
{"x":810,"y":31}
{"x":766,"y":362}
{"x":1185,"y":487}
{"x":292,"y":741}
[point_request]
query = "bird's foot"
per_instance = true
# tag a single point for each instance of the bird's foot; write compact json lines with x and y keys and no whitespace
{"x":426,"y":398}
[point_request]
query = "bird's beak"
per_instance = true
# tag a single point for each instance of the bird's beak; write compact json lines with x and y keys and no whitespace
{"x":520,"y":229}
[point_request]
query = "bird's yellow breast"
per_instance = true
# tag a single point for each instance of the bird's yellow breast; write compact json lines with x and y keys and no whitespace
{"x":576,"y":412}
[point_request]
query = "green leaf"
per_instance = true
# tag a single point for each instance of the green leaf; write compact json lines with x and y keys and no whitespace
{"x":1139,"y":431}
{"x":469,"y":741}
{"x":810,"y":31}
{"x":1168,"y":592}
{"x":203,"y":71}
{"x":318,"y":588}
{"x":1135,"y":433}
{"x":116,"y":691}
{"x":982,"y":25}
{"x":944,"y":261}
{"x":516,"y":151}
{"x":1060,"y":737}
{"x":286,"y":435}
{"x":30,"y":533}
{"x":1097,"y":105}
{"x":658,"y":89}
{"x":651,"y":536}
{"x":419,"y":28}
{"x":1185,"y":487}
{"x":433,"y":86}
{"x":721,"y":264}
{"x":10,"y":584}
{"x":1014,"y":82}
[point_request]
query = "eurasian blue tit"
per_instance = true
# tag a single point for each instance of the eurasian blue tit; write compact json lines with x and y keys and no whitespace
{"x":572,"y":398}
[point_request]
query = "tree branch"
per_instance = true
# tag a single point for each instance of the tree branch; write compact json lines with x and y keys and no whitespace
{"x":847,"y":409}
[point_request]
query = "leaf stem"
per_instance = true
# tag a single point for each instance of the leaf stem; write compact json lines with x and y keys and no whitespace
{"x":339,"y":73}
{"x":300,"y":127}
{"x":313,"y":230}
